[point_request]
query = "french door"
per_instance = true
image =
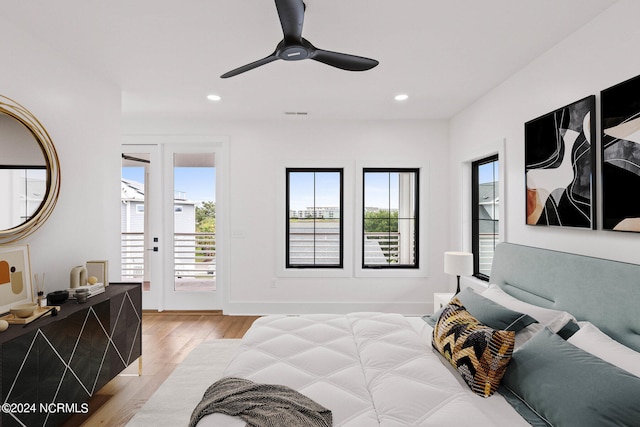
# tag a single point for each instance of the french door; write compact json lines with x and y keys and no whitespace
{"x":170,"y":223}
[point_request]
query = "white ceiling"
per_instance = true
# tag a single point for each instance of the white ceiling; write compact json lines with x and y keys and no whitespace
{"x":167,"y":55}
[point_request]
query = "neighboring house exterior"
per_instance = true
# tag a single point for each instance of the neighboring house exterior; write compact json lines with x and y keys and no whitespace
{"x":132,"y":210}
{"x":132,"y":220}
{"x":489,"y":200}
{"x":489,"y":203}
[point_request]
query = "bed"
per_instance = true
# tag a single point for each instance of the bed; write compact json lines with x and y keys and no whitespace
{"x":568,"y":312}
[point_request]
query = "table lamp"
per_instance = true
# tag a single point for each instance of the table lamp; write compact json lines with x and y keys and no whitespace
{"x":458,"y":264}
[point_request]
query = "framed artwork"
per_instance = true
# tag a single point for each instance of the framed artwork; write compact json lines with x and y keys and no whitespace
{"x":559,"y":166}
{"x":15,"y":276}
{"x":620,"y":110}
{"x":100,"y":270}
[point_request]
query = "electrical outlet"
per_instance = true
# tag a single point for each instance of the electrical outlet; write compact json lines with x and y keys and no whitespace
{"x":238,"y":234}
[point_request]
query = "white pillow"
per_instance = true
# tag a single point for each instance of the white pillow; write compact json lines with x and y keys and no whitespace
{"x":525,"y":334}
{"x":552,"y":319}
{"x":592,"y":340}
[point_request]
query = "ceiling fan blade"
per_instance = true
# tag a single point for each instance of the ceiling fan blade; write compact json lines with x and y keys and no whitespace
{"x":291,"y":13}
{"x":250,"y":66}
{"x":343,"y":60}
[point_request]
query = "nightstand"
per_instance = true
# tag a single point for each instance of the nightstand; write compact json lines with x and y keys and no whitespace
{"x":440,"y":299}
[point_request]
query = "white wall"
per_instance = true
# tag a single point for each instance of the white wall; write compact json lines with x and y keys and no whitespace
{"x":258,"y":153}
{"x":599,"y":55}
{"x":81,"y":112}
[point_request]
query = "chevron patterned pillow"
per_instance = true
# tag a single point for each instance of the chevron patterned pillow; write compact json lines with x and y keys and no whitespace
{"x":479,"y":353}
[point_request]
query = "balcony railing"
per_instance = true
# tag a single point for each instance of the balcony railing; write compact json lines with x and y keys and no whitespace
{"x":323,"y":247}
{"x":194,"y":255}
{"x":132,"y":251}
{"x":487,"y":245}
{"x":381,"y":248}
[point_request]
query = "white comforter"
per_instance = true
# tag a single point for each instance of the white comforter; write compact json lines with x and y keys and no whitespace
{"x":370,"y":369}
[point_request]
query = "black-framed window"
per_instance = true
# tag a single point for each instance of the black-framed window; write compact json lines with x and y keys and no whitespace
{"x":485,"y":220}
{"x":314,"y":230}
{"x":390,"y":218}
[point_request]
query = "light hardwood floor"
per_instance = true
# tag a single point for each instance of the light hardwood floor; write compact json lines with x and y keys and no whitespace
{"x":167,"y":338}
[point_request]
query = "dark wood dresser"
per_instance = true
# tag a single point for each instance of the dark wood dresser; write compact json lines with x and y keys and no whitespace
{"x":51,"y":367}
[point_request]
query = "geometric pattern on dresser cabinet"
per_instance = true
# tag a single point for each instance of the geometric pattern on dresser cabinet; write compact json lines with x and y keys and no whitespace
{"x":68,"y":361}
{"x":126,"y":327}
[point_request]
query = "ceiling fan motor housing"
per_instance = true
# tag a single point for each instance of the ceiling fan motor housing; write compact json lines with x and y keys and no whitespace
{"x":293,"y":52}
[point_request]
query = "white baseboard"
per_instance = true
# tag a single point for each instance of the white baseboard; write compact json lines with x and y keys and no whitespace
{"x":407,"y":308}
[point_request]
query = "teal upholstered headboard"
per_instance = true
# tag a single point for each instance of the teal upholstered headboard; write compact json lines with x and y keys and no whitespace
{"x":604,"y":292}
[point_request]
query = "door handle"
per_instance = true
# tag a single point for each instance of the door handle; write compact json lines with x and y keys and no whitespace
{"x":155,"y":248}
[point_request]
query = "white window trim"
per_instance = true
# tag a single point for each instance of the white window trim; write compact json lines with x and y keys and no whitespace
{"x":352,"y":222}
{"x":347,"y":220}
{"x":425,"y":204}
{"x":193,"y":144}
{"x":498,"y":147}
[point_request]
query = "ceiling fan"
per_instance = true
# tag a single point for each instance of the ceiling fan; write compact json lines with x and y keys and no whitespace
{"x":294,"y":47}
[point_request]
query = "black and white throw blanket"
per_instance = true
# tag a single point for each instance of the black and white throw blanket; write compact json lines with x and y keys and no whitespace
{"x":261,"y":405}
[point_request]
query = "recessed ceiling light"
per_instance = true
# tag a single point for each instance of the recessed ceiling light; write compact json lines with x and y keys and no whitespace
{"x":402,"y":97}
{"x":213,"y":97}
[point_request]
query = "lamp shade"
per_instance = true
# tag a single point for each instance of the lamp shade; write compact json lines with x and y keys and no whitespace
{"x":458,"y":263}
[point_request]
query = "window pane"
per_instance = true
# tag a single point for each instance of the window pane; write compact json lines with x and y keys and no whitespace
{"x":389,"y":218}
{"x":134,"y":258}
{"x":327,"y":193}
{"x":314,"y":228}
{"x":485,"y":216}
{"x":376,"y":191}
{"x":194,"y":222}
{"x":300,"y":194}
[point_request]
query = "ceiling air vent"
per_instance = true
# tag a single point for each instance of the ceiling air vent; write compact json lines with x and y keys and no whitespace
{"x":295,"y":113}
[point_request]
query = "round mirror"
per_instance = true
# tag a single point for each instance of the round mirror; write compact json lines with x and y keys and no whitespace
{"x":29,"y":172}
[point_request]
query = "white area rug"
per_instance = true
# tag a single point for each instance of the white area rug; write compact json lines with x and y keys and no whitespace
{"x":173,"y":402}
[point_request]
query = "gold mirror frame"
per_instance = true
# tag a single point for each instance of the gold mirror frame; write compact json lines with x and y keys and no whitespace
{"x":24,"y":116}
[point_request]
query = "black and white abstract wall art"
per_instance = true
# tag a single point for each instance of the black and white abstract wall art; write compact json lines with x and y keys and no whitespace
{"x":620,"y":110}
{"x":560,"y":165}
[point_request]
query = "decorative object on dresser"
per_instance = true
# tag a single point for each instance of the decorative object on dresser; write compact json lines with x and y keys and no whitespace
{"x":81,"y":295}
{"x":560,"y":159}
{"x":91,"y":290}
{"x":67,"y":358}
{"x":39,"y":283}
{"x":28,"y":315}
{"x":458,"y":264}
{"x":91,"y":279}
{"x":15,"y":277}
{"x":620,"y":110}
{"x":23,"y":310}
{"x":98,"y":270}
{"x":78,"y":277}
{"x":57,"y":297}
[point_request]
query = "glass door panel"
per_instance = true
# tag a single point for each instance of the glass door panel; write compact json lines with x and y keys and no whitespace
{"x":168,"y":224}
{"x":194,"y":222}
{"x":139,"y":228}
